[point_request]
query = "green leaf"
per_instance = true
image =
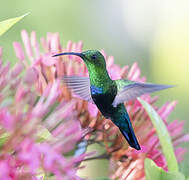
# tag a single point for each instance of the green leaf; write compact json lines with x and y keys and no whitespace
{"x":153,"y":172}
{"x":187,"y":178}
{"x":7,"y":24}
{"x":163,"y":134}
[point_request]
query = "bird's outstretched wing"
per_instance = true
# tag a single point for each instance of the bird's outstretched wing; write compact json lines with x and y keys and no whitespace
{"x":128,"y":90}
{"x":80,"y":86}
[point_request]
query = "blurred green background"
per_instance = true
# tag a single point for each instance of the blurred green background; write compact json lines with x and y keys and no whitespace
{"x":151,"y":32}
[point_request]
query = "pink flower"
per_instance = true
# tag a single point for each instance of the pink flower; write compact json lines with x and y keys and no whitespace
{"x":6,"y":119}
{"x":35,"y":133}
{"x":132,"y":159}
{"x":44,"y":102}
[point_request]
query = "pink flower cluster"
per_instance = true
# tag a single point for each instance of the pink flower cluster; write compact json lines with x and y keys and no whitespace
{"x":42,"y":122}
{"x":36,"y":132}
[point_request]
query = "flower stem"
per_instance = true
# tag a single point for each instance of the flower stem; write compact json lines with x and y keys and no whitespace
{"x":102,"y":156}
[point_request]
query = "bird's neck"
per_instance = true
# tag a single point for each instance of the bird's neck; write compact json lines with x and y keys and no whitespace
{"x":99,"y":76}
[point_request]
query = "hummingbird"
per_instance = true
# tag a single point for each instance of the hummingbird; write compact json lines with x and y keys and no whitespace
{"x":107,"y":94}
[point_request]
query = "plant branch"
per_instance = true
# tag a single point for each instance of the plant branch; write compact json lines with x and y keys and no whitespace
{"x":102,"y":156}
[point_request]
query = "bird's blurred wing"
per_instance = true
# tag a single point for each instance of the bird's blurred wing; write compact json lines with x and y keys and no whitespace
{"x":128,"y":90}
{"x":80,"y":86}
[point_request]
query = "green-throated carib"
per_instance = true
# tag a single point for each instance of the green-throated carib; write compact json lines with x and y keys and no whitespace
{"x":108,"y":95}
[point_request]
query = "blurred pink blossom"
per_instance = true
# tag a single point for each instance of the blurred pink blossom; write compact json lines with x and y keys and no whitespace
{"x":32,"y":141}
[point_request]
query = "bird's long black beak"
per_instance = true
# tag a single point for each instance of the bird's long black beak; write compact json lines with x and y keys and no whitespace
{"x":69,"y":53}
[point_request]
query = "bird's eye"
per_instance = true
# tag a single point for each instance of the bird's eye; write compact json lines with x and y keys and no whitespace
{"x":93,"y":56}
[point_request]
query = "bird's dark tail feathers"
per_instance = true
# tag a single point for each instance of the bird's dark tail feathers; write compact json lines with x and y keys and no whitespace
{"x":129,"y":134}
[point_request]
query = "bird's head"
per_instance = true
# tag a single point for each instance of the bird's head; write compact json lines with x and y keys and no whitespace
{"x":90,"y":57}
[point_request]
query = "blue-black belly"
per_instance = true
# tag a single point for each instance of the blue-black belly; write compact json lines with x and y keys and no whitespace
{"x":104,"y":100}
